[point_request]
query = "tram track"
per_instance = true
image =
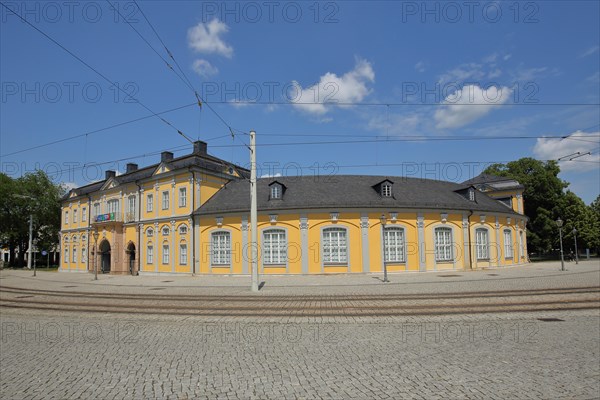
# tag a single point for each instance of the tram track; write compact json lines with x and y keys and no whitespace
{"x":580,"y":298}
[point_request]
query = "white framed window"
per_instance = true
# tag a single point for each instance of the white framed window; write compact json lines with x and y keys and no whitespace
{"x":386,"y":190}
{"x":482,"y":245}
{"x":83,"y":254}
{"x":221,"y":248}
{"x":96,"y":210}
{"x":276,"y":191}
{"x":66,"y":254}
{"x":335,"y":246}
{"x":166,"y":231}
{"x":84,"y":214}
{"x":150,"y":254}
{"x":74,"y":216}
{"x":165,"y":254}
{"x":131,"y":206}
{"x":394,"y":244}
{"x":66,"y":217}
{"x":183,"y":230}
{"x":75,"y":254}
{"x":183,"y":254}
{"x":150,"y":232}
{"x":274,"y":247}
{"x":182,"y":197}
{"x":443,"y":244}
{"x":149,"y":202}
{"x":165,"y":200}
{"x":508,"y":246}
{"x":113,"y":206}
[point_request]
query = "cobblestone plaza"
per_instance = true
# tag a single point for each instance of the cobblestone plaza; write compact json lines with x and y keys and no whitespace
{"x":518,"y":355}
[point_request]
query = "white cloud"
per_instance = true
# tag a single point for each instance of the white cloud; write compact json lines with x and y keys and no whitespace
{"x":590,"y":51}
{"x":469,"y":104}
{"x":396,"y":124}
{"x":204,"y":68}
{"x":420,"y":66}
{"x":595,"y":78}
{"x":582,"y":142}
{"x":351,"y":87}
{"x":469,"y":71}
{"x":206,"y":38}
{"x":275,"y":175}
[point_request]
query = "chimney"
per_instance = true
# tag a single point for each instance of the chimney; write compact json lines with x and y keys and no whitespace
{"x":166,"y":156}
{"x":109,"y":174}
{"x":131,"y":167}
{"x":200,"y":148}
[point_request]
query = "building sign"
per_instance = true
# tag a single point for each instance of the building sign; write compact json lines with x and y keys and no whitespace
{"x":105,"y":217}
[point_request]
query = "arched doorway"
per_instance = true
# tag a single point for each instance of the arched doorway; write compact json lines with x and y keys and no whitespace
{"x":105,"y":256}
{"x":131,"y":258}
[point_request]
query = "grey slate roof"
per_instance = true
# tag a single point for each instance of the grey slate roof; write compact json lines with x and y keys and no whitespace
{"x":348,"y":191}
{"x":202,"y":161}
{"x":493,"y":179}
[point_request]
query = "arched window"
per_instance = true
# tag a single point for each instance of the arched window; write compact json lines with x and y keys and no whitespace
{"x":83,"y":254}
{"x":443,"y":244}
{"x":482,"y":246}
{"x":274,"y":246}
{"x":75,"y":254}
{"x":394,"y":244}
{"x":335,"y":246}
{"x":150,"y":232}
{"x":221,"y":248}
{"x":166,"y":231}
{"x":183,"y":229}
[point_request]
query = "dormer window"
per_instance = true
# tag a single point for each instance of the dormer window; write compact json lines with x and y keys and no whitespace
{"x":386,"y":190}
{"x":276,"y":190}
{"x":471,"y":194}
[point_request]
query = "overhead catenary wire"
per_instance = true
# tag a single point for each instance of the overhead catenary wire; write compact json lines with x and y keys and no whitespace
{"x":186,"y":82}
{"x":95,"y":131}
{"x":90,"y":67}
{"x":200,"y":99}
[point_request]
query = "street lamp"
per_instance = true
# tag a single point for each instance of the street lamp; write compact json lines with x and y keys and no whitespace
{"x":383,"y":222}
{"x":95,"y":235}
{"x":576,"y":255}
{"x":559,"y":223}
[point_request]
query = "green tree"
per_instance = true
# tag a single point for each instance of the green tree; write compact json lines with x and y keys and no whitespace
{"x":32,"y":194}
{"x":543,"y":196}
{"x":577,"y":215}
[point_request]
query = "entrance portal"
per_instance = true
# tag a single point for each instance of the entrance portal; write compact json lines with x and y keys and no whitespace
{"x":105,"y":256}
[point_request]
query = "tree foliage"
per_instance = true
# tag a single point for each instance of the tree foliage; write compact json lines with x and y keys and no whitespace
{"x":546,"y":200}
{"x":31,"y":194}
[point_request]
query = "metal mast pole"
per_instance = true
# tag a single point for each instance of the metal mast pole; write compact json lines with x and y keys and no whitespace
{"x":253,"y":213}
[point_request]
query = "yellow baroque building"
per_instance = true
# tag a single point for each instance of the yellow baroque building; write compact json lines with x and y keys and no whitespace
{"x":190,"y":215}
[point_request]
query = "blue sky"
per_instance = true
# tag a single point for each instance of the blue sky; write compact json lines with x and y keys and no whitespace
{"x":426,"y":89}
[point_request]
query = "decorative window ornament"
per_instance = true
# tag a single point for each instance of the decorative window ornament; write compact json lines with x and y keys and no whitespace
{"x":394,"y":216}
{"x":273,"y":218}
{"x":444,"y":217}
{"x":219,"y":221}
{"x":334,"y":216}
{"x":482,"y":218}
